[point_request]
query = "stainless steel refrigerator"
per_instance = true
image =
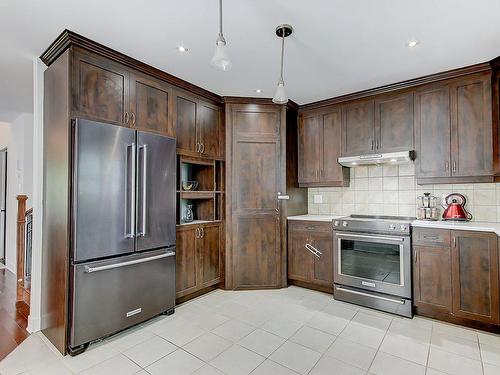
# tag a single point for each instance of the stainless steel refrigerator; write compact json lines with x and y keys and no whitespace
{"x":123,"y":229}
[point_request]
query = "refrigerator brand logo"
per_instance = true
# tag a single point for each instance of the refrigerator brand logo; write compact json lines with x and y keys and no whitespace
{"x":366,"y":283}
{"x":134,"y":312}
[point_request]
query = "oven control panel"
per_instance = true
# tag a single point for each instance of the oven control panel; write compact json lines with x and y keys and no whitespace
{"x":374,"y":226}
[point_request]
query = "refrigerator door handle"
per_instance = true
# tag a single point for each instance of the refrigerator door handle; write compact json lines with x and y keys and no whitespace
{"x":142,"y":233}
{"x":131,"y":181}
{"x":129,"y":263}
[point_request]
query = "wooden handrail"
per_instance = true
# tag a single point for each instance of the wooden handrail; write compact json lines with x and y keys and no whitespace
{"x":20,"y":243}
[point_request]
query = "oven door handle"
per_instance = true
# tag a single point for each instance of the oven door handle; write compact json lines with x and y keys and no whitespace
{"x":312,"y":250}
{"x":401,"y":301}
{"x":398,"y":239}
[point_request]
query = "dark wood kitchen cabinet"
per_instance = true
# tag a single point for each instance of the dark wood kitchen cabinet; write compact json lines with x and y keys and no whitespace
{"x":199,"y":127}
{"x":432,"y":278}
{"x":456,"y":276}
{"x":150,"y":103}
{"x":358,"y":128}
{"x":310,"y":270}
{"x":453,"y":131}
{"x":475,"y":276}
{"x":394,"y":122}
{"x":320,"y":144}
{"x":104,"y":90}
{"x":100,"y":88}
{"x":198,"y":258}
{"x":383,"y":123}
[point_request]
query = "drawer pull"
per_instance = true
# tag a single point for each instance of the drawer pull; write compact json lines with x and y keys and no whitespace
{"x":432,"y":238}
{"x":129,"y":263}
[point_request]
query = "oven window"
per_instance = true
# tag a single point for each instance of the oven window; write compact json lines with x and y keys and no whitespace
{"x":370,"y":260}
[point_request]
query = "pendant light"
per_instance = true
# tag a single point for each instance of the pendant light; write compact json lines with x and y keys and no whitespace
{"x":221,"y":58}
{"x":280,"y":97}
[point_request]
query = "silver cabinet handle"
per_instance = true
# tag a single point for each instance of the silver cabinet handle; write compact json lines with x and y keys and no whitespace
{"x":316,"y":250}
{"x":197,"y":146}
{"x":144,"y":148}
{"x":415,"y":256}
{"x":132,"y":118}
{"x":454,"y":166}
{"x":283,"y":196}
{"x":131,"y":234}
{"x":401,"y":301}
{"x":446,"y":166}
{"x":371,"y":144}
{"x":399,"y":239}
{"x":197,"y":232}
{"x":126,"y":117}
{"x":311,"y":249}
{"x":203,"y":148}
{"x":129,"y":263}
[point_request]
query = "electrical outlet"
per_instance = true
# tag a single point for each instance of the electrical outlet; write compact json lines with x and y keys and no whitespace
{"x":317,"y":198}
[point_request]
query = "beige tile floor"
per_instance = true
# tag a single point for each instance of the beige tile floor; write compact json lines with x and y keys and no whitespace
{"x":280,"y":332}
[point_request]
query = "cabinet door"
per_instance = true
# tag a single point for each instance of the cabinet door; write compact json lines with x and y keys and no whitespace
{"x":432,"y":278}
{"x":150,"y":105}
{"x":322,"y":271}
{"x":186,"y":269}
{"x":472,"y":144}
{"x":332,"y":173}
{"x":209,"y":129}
{"x":359,"y":121}
{"x":432,"y":132}
{"x":394,"y":122}
{"x":299,"y":258}
{"x":100,"y":88}
{"x":309,"y":148}
{"x":185,"y":120}
{"x":209,"y":254}
{"x":475,"y":276}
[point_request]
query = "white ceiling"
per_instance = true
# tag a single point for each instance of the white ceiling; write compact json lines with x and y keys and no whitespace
{"x":339,"y":46}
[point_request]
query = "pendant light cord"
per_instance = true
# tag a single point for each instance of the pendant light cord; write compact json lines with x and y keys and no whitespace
{"x":220,"y":18}
{"x":282,"y":55}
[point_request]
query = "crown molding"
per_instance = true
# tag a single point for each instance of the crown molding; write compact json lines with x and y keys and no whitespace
{"x":69,"y":39}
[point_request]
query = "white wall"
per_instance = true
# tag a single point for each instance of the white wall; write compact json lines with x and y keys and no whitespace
{"x":17,"y":136}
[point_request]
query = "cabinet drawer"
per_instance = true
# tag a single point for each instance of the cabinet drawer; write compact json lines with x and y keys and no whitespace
{"x":311,"y":226}
{"x":431,"y":237}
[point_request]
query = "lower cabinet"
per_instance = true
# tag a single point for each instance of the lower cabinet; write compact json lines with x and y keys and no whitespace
{"x":198,"y":258}
{"x":456,"y":275}
{"x":310,"y":253}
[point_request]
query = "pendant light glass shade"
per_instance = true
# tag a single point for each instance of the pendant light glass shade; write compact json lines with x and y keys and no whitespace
{"x":221,"y":57}
{"x":280,"y":94}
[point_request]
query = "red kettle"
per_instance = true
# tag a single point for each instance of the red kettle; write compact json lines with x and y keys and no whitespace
{"x":455,"y":209}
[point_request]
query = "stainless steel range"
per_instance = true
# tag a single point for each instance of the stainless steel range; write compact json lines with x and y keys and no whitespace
{"x":373,"y":262}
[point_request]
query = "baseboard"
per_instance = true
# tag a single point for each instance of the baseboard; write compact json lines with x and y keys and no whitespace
{"x":34,"y":324}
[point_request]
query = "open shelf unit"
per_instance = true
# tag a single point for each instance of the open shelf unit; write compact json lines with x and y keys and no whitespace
{"x":207,"y":199}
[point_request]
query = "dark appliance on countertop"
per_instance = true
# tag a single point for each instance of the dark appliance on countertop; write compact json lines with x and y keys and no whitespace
{"x":455,"y":209}
{"x":122,"y":262}
{"x":373,"y":262}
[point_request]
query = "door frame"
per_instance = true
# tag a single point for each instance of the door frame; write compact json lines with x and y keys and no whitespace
{"x":3,"y":254}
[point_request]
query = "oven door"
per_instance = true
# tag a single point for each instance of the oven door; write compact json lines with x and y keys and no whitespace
{"x":380,"y":263}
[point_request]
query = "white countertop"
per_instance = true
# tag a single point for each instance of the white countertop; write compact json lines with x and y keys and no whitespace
{"x":471,"y":225}
{"x":314,"y":217}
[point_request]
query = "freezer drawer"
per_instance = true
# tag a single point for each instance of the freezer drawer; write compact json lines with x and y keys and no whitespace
{"x":111,"y":295}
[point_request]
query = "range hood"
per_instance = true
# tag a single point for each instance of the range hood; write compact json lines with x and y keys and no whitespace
{"x":374,"y":159}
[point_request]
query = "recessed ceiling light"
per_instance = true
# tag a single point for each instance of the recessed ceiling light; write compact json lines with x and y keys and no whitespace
{"x":258,"y":91}
{"x":412,"y":43}
{"x":182,"y":49}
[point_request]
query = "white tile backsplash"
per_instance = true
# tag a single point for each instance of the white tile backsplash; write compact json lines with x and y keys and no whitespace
{"x":392,"y":190}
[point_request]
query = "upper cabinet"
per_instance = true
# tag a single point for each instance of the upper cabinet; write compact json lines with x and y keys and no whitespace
{"x":359,"y":128}
{"x":320,"y":144}
{"x":100,"y":88}
{"x":199,"y":127}
{"x":453,"y":131}
{"x":110,"y":92}
{"x":150,"y":102}
{"x":394,"y":122}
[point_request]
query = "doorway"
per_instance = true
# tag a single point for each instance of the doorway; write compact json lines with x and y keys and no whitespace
{"x":3,"y":200}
